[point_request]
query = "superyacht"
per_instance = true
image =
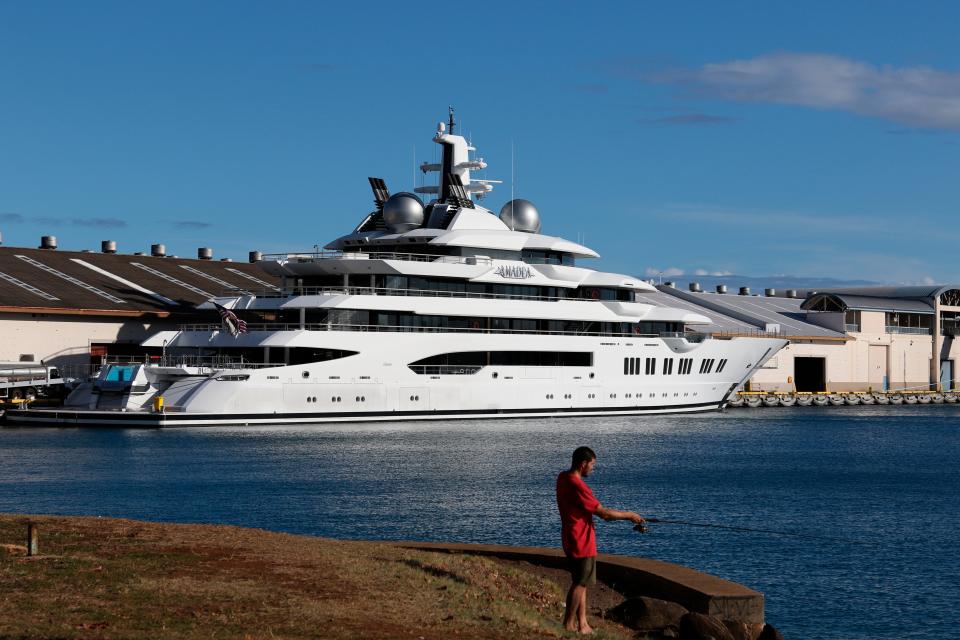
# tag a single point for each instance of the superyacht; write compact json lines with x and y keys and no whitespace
{"x":427,"y":311}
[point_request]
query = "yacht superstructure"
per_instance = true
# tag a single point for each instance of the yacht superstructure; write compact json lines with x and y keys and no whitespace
{"x":434,"y":310}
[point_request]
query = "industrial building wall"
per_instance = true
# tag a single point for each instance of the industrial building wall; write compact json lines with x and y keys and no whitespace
{"x":65,"y":340}
{"x":871,"y":360}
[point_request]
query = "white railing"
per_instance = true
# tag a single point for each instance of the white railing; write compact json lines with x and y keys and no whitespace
{"x":293,"y":326}
{"x":312,"y":256}
{"x":429,"y":293}
{"x":324,"y":254}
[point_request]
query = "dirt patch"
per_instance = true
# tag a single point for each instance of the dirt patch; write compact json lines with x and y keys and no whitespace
{"x":107,"y":578}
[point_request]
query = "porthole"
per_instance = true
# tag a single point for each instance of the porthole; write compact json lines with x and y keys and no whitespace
{"x":357,"y":399}
{"x":314,"y":398}
{"x":339,"y":399}
{"x":333,"y":399}
{"x":363,"y":398}
{"x":591,"y":374}
{"x":306,"y":374}
{"x":416,"y":398}
{"x":411,"y":398}
{"x":495,"y":374}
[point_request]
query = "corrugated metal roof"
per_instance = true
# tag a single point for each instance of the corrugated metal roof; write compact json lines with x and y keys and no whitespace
{"x":721,"y":323}
{"x":757,"y":312}
{"x":112,"y":283}
{"x":873,"y":303}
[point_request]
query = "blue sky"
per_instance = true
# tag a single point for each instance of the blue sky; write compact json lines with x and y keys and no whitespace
{"x":811,"y":139}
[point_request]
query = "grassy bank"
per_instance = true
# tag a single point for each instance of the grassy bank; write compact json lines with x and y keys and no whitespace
{"x":106,"y":578}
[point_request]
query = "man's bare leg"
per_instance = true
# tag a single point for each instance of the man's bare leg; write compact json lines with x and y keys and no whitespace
{"x":582,"y":612}
{"x":571,"y":615}
{"x":575,"y":617}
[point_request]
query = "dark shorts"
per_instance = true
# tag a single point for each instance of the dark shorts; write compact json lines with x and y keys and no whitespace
{"x":583,"y":570}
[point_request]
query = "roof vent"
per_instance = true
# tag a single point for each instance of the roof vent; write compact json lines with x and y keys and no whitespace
{"x":255,"y":256}
{"x":695,"y":287}
{"x":48,"y":242}
{"x":770,"y":292}
{"x":744,"y":291}
{"x":672,"y":285}
{"x":139,"y":253}
{"x":204,"y":253}
{"x":158,"y":250}
{"x":791,"y":293}
{"x":86,"y":251}
{"x":721,"y":288}
{"x":226,"y":259}
{"x":1,"y":238}
{"x":108,"y":246}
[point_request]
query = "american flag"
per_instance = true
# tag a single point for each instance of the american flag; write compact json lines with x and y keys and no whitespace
{"x":235,"y":325}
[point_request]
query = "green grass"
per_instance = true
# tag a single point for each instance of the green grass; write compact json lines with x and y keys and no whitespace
{"x":105,"y":578}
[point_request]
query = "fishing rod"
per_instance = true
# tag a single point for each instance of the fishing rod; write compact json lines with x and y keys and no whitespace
{"x":642,"y":528}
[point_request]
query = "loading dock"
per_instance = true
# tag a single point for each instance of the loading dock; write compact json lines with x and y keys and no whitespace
{"x":810,"y":374}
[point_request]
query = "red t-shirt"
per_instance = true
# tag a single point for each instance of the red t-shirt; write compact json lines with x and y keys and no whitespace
{"x":577,"y":506}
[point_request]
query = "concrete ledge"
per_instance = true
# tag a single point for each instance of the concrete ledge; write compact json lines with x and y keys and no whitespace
{"x":696,"y":591}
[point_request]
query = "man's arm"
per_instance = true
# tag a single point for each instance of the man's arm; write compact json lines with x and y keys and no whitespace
{"x":613,"y":514}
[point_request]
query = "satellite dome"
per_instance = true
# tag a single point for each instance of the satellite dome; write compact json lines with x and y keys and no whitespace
{"x":521,"y":215}
{"x":402,"y":212}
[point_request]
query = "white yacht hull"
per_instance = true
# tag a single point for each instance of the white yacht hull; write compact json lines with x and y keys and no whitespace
{"x":377,"y":385}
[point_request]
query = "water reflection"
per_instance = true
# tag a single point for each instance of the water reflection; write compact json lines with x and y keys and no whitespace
{"x":884,"y":474}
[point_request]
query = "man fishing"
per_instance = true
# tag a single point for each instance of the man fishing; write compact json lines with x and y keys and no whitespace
{"x":577,"y":507}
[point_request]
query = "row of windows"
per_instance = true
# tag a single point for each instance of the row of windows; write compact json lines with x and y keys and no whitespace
{"x":459,"y":286}
{"x":402,"y":320}
{"x":510,"y":358}
{"x":631,"y":366}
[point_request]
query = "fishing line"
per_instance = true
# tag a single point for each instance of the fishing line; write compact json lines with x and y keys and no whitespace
{"x":642,"y":529}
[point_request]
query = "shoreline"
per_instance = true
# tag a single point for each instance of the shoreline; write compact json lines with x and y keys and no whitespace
{"x":127,"y":578}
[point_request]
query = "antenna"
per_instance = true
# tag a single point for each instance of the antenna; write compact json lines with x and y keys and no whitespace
{"x":451,"y":119}
{"x":512,"y":179}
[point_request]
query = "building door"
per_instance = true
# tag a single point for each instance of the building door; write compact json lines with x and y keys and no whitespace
{"x":810,"y":374}
{"x":946,"y":375}
{"x":877,"y":367}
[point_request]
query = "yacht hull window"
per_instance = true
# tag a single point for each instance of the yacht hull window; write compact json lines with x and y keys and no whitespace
{"x":478,"y":359}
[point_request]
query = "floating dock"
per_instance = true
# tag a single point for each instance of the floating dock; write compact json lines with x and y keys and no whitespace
{"x":757,"y":399}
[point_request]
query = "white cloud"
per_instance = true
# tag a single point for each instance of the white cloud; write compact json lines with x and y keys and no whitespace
{"x":915,"y":96}
{"x":669,"y":272}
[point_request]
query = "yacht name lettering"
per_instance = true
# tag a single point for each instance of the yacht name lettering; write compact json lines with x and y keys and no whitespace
{"x":514,"y":271}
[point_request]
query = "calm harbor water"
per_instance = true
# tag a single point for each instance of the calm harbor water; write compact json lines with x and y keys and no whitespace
{"x":884,"y":479}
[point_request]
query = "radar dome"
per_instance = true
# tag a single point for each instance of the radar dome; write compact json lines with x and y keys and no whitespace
{"x":402,"y":212}
{"x":521,"y":215}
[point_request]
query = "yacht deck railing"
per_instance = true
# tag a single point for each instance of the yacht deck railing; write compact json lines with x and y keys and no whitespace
{"x":293,"y":326}
{"x":326,"y":254}
{"x":389,"y":291}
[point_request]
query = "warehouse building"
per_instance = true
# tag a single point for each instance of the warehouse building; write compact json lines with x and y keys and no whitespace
{"x":74,"y":309}
{"x":862,"y":339}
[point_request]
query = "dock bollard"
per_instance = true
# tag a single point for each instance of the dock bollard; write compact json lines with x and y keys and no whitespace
{"x":33,"y":539}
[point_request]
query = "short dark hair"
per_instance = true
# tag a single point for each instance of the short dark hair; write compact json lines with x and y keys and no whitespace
{"x":581,"y":455}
